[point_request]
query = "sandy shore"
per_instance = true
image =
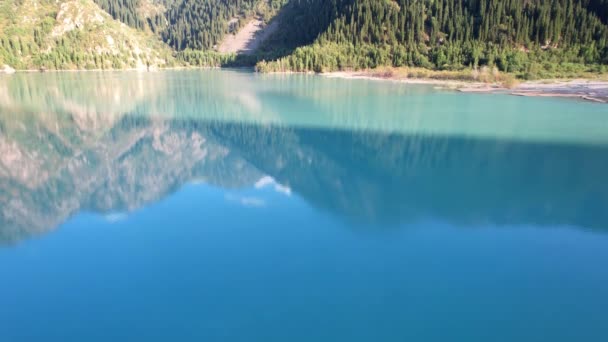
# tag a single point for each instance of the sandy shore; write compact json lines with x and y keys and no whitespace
{"x":590,"y":90}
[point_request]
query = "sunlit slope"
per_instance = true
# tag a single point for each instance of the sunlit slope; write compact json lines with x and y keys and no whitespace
{"x":73,"y":34}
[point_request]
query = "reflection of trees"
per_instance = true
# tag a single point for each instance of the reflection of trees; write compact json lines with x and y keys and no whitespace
{"x":367,"y":178}
{"x":66,"y":147}
{"x":389,"y":178}
{"x":96,"y":100}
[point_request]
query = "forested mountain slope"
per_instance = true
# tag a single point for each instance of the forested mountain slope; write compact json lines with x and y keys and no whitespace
{"x":444,"y":34}
{"x":531,"y":38}
{"x":599,"y":7}
{"x":73,"y":34}
{"x":127,"y":11}
{"x":201,"y":24}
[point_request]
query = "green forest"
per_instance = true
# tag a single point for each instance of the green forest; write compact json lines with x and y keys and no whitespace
{"x":200,"y":24}
{"x":530,"y":39}
{"x":124,"y":10}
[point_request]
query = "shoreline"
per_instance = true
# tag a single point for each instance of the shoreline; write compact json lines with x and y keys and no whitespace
{"x":584,"y":89}
{"x":154,"y":69}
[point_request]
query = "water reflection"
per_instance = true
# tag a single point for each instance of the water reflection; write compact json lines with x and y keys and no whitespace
{"x":112,"y":143}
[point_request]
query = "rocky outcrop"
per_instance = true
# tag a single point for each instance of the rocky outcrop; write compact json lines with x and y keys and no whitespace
{"x":72,"y":15}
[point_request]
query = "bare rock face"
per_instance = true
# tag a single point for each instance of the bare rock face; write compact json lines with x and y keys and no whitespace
{"x":72,"y":15}
{"x":249,"y":38}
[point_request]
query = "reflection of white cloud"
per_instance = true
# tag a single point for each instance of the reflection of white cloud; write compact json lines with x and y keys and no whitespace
{"x":267,"y":180}
{"x":252,"y":202}
{"x":282,"y":189}
{"x":115,"y":217}
{"x":198,"y":181}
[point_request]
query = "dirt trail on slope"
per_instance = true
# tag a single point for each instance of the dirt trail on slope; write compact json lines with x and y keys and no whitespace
{"x":249,"y":38}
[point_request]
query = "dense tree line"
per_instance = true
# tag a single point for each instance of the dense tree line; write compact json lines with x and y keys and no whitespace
{"x":124,"y":10}
{"x":598,"y":7}
{"x":441,"y":34}
{"x":201,"y":24}
{"x":302,"y":22}
{"x":68,"y":53}
{"x":418,"y":25}
{"x":531,"y":38}
{"x":189,"y":24}
{"x":201,"y":58}
{"x":446,"y":34}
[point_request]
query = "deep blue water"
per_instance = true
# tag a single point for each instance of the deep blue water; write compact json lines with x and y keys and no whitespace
{"x":197,"y":206}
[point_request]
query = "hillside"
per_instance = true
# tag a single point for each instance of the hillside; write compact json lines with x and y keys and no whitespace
{"x":528,"y":38}
{"x":202,"y":24}
{"x":248,"y":39}
{"x":73,"y":34}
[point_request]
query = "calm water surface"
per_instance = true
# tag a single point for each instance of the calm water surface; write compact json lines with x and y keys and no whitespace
{"x":229,"y":206}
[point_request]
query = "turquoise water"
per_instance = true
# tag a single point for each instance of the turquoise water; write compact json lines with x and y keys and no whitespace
{"x":231,"y":206}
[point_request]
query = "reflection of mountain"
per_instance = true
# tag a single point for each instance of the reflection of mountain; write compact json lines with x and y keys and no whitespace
{"x":72,"y":143}
{"x":46,"y":177}
{"x":97,"y":100}
{"x":389,"y":178}
{"x":368,"y":178}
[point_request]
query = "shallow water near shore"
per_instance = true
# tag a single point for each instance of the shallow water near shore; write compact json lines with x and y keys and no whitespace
{"x":230,"y":206}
